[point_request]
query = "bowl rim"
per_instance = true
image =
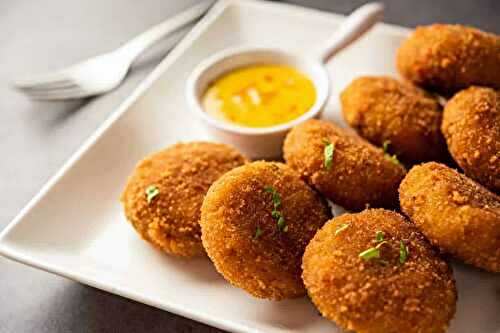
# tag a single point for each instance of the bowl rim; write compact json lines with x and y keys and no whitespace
{"x":195,"y":105}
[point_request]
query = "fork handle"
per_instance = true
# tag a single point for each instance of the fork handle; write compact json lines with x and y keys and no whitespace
{"x":141,"y":43}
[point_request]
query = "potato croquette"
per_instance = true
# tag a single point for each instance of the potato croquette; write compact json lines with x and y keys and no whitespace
{"x":455,"y":213}
{"x":471,"y":126}
{"x":404,"y":117}
{"x":342,"y":166}
{"x":162,"y":198}
{"x":373,"y":272}
{"x":447,"y":58}
{"x":256,"y":221}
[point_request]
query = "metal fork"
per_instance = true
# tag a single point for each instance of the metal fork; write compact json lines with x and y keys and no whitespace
{"x":103,"y":73}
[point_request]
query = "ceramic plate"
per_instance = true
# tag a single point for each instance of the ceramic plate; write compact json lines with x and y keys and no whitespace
{"x":75,"y":226}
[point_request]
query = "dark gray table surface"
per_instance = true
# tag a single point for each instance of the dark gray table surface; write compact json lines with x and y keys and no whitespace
{"x":36,"y":138}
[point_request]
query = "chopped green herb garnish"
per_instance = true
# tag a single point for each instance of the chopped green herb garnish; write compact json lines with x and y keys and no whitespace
{"x":281,"y":223}
{"x":258,"y":232}
{"x":369,"y":254}
{"x":269,"y":189}
{"x":276,"y":214}
{"x":276,"y":196}
{"x":151,"y":192}
{"x":341,"y":228}
{"x":385,"y":146}
{"x":328,"y":153}
{"x":276,"y":200}
{"x":392,"y":158}
{"x":374,"y":252}
{"x":403,"y":252}
{"x":389,"y":157}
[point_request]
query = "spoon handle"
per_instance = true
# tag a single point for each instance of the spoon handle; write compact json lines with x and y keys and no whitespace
{"x":354,"y":26}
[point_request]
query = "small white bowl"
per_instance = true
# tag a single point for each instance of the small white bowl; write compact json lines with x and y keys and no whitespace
{"x":266,"y":142}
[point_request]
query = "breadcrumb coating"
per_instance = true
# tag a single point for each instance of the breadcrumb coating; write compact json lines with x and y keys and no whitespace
{"x":360,"y":174}
{"x":182,"y":174}
{"x":471,"y":125}
{"x":383,"y":109}
{"x":242,"y":237}
{"x":380,"y":295}
{"x":455,"y":213}
{"x":446,"y":58}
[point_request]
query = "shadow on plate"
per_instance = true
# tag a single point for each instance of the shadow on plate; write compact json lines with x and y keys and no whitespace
{"x":197,"y":270}
{"x":293,"y":315}
{"x":478,"y":304}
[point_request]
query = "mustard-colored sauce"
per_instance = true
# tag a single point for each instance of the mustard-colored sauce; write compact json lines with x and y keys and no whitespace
{"x":260,"y":96}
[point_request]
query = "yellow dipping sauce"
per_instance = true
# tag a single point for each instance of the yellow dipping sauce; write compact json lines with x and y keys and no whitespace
{"x":260,"y":96}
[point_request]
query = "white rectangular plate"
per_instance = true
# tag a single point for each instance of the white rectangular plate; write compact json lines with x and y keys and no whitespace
{"x":75,"y":226}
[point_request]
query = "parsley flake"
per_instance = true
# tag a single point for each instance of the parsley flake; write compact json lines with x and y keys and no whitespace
{"x":328,"y":153}
{"x":370,"y":254}
{"x":276,"y":214}
{"x":269,"y":189}
{"x":392,"y":158}
{"x":281,"y":223}
{"x":275,"y":196}
{"x":341,"y":228}
{"x":403,"y":252}
{"x":389,"y":157}
{"x":385,"y":146}
{"x":151,"y":192}
{"x":379,"y":236}
{"x":258,"y":232}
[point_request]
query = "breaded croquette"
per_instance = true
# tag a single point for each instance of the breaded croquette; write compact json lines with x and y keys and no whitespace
{"x":455,"y":213}
{"x":163,"y":196}
{"x":386,"y":111}
{"x":256,"y":221}
{"x":342,"y":166}
{"x":373,"y":272}
{"x":446,"y":58}
{"x":471,"y":125}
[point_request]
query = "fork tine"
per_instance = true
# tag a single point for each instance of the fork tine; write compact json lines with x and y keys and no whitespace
{"x":63,"y":84}
{"x":55,"y":77}
{"x":75,"y":92}
{"x":58,"y":97}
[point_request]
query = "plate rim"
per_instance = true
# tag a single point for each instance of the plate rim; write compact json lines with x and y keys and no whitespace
{"x":7,"y":248}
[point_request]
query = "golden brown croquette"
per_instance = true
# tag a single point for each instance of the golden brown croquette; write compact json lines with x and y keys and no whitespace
{"x":455,"y":213}
{"x":256,"y":221}
{"x":446,"y":58}
{"x":407,"y":119}
{"x":373,"y":272}
{"x":163,"y":196}
{"x":471,"y":125}
{"x":356,"y":174}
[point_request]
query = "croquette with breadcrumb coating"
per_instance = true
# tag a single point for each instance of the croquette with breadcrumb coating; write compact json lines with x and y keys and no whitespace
{"x":342,"y":166}
{"x":163,"y":196}
{"x":446,"y":58}
{"x":406,"y":119}
{"x":256,"y":221}
{"x":373,"y":272}
{"x":455,"y":213}
{"x":471,"y":126}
